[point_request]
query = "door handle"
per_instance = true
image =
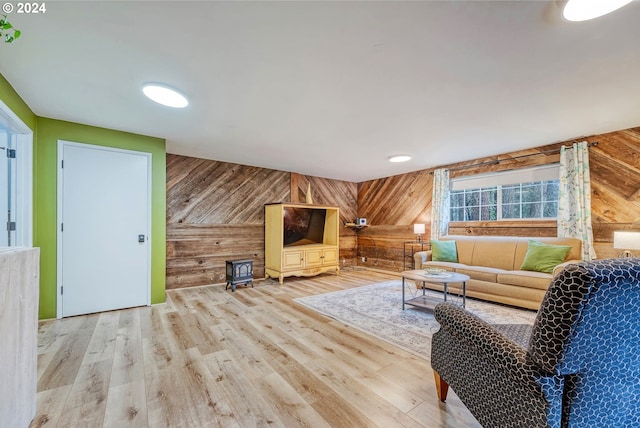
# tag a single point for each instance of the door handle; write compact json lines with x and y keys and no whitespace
{"x":141,"y":238}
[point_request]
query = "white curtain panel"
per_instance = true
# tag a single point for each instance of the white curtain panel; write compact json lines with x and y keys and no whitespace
{"x":440,"y":203}
{"x":574,"y":199}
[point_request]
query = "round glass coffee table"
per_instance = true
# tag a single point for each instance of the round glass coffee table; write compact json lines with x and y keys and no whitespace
{"x":444,"y":278}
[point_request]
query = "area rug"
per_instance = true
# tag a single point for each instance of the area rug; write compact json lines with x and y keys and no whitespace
{"x":377,"y":309}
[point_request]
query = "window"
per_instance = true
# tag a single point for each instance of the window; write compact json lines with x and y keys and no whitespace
{"x":474,"y":204}
{"x":502,"y":196}
{"x":530,"y":200}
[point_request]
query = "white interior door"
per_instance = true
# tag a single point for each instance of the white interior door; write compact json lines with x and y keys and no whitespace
{"x":104,"y":229}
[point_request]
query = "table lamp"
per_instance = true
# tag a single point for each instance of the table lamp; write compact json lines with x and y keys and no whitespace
{"x":419,"y":230}
{"x":626,"y":241}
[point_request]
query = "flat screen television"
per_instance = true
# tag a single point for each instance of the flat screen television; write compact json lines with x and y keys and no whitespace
{"x":303,"y":226}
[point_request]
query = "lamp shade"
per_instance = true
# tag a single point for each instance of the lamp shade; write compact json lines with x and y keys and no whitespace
{"x":418,"y":229}
{"x":626,"y":240}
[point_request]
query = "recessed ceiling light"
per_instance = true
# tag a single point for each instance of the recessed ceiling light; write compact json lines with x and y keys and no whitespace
{"x":165,"y":95}
{"x":583,"y":10}
{"x":399,"y":158}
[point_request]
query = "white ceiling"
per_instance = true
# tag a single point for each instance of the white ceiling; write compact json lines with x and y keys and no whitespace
{"x":333,"y":88}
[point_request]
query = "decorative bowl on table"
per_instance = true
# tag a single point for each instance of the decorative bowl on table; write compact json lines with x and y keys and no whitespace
{"x":432,"y":271}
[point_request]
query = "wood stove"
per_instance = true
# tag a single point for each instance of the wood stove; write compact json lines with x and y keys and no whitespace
{"x":239,"y":272}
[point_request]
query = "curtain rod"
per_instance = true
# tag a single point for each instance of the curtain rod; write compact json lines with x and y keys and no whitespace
{"x":497,"y":161}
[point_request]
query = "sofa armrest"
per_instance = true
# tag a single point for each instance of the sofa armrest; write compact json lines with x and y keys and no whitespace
{"x":479,"y":336}
{"x":561,"y":266}
{"x":493,"y":376}
{"x":420,"y":257}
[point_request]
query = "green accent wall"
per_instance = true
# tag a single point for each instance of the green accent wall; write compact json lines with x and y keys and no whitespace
{"x":46,"y":133}
{"x":45,"y":208}
{"x":17,"y":105}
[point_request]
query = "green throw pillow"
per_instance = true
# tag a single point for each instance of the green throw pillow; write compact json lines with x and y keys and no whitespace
{"x":443,"y":251}
{"x":543,"y":257}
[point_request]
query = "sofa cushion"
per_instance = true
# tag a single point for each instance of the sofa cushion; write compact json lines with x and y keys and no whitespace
{"x":443,"y":251}
{"x":464,"y":246}
{"x":543,"y":257}
{"x":480,"y":273}
{"x":525,"y":278}
{"x":523,"y":246}
{"x":494,"y":252}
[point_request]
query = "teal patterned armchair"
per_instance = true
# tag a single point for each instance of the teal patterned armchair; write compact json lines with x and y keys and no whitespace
{"x":577,"y":366}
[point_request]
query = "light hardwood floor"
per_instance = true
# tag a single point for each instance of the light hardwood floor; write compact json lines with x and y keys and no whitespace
{"x":252,"y":358}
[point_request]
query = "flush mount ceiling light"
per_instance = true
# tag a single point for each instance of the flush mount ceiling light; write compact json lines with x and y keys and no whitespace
{"x":399,"y":158}
{"x":165,"y":95}
{"x":583,"y":10}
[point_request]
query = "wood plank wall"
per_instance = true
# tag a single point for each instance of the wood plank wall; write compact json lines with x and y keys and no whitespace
{"x":615,"y":188}
{"x":215,"y":209}
{"x":337,"y":193}
{"x":394,"y":204}
{"x":215,"y":212}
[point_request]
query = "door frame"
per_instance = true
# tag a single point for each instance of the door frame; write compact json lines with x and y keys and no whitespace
{"x":24,"y":176}
{"x":60,"y":186}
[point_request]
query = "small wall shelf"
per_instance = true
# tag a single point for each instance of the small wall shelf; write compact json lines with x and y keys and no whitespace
{"x":355,"y":227}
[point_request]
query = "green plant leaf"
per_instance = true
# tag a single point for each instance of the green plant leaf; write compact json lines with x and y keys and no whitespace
{"x":6,"y":25}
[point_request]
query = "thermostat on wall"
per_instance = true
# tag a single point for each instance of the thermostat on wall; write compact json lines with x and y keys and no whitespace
{"x":361,"y":221}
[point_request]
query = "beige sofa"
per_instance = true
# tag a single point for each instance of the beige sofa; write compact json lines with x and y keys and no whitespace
{"x":493,"y":264}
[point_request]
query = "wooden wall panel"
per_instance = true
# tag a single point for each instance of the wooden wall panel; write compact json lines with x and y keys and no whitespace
{"x":201,"y":191}
{"x":324,"y":191}
{"x":393,"y":204}
{"x":337,"y":193}
{"x":196,"y":253}
{"x":615,"y":178}
{"x":400,"y":199}
{"x":215,"y":212}
{"x":382,"y":246}
{"x":504,"y":228}
{"x":215,"y":209}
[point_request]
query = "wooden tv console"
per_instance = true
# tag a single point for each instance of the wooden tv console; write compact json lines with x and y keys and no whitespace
{"x":300,"y":260}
